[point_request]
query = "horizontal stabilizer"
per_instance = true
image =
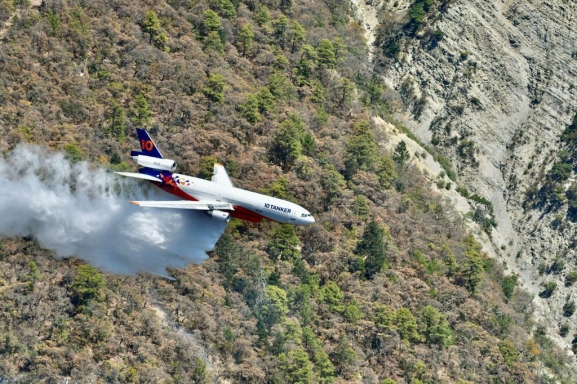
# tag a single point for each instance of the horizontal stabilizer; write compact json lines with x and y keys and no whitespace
{"x":185,"y":204}
{"x":139,"y":176}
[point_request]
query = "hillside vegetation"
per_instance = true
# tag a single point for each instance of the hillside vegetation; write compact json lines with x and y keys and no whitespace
{"x":484,"y":86}
{"x":386,"y":287}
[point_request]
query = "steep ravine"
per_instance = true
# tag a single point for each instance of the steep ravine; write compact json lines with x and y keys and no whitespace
{"x":494,"y":96}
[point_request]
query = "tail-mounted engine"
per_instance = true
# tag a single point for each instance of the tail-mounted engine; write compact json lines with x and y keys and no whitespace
{"x":154,"y":162}
{"x":219,"y":215}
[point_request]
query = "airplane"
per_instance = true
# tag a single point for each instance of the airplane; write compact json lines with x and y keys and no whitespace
{"x":218,"y":197}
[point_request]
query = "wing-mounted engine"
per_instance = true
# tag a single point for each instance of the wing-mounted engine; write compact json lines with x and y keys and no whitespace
{"x":154,"y":162}
{"x":219,"y":215}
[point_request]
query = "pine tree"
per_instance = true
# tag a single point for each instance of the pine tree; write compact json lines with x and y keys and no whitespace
{"x":286,"y":145}
{"x":308,"y":143}
{"x":401,"y":154}
{"x":117,"y":120}
{"x":360,"y":207}
{"x":151,"y":25}
{"x":472,"y":269}
{"x":266,"y":100}
{"x":213,"y":42}
{"x":142,"y":114}
{"x":245,"y":41}
{"x":207,"y":167}
{"x":284,"y":243}
{"x":333,"y":296}
{"x":274,"y":307}
{"x":434,"y":327}
{"x":509,"y":352}
{"x":406,"y":325}
{"x":373,"y":248}
{"x":340,"y":48}
{"x":297,"y":366}
{"x":280,"y":28}
{"x":250,"y":109}
{"x":88,"y":285}
{"x":344,"y":355}
{"x":387,"y":172}
{"x":297,"y":36}
{"x":326,"y":54}
{"x":333,"y":184}
{"x":54,"y":21}
{"x":361,"y":150}
{"x":323,"y":368}
{"x":286,"y":6}
{"x":33,"y":275}
{"x":211,"y":22}
{"x":262,"y":15}
{"x":226,"y":8}
{"x":214,"y":88}
{"x":384,"y":317}
{"x":347,"y":92}
{"x":306,"y":64}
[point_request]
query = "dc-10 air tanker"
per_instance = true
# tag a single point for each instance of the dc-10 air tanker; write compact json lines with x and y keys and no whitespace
{"x":217,"y":197}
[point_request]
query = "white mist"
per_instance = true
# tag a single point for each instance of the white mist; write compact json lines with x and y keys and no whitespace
{"x":78,"y":211}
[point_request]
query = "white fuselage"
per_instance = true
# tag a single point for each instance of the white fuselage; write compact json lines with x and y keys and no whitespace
{"x":260,"y":205}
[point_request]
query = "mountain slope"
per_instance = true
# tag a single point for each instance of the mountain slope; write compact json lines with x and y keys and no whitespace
{"x":387,"y":286}
{"x":494,"y":91}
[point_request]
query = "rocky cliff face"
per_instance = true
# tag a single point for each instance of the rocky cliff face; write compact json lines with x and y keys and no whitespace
{"x":494,"y":95}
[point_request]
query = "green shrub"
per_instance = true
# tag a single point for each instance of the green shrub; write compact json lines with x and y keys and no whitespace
{"x":549,"y":288}
{"x":214,"y":88}
{"x":352,"y":313}
{"x":434,"y":327}
{"x":407,"y":325}
{"x":557,"y":266}
{"x":463,"y":191}
{"x":571,"y":278}
{"x":560,"y":171}
{"x":475,"y":101}
{"x":542,"y":268}
{"x":569,"y":308}
{"x":360,"y":207}
{"x":564,"y":329}
{"x":87,"y":286}
{"x":509,"y":352}
{"x":482,"y":200}
{"x":72,"y":153}
{"x":417,"y":14}
{"x":508,"y":285}
{"x":446,"y":164}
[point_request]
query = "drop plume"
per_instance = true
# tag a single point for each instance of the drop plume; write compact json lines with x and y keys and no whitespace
{"x":77,"y":210}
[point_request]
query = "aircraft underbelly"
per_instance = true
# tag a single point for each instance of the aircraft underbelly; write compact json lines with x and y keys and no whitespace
{"x":246,"y":214}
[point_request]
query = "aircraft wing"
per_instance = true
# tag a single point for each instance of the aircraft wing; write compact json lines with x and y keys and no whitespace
{"x":139,"y":176}
{"x":220,"y":176}
{"x":186,"y":204}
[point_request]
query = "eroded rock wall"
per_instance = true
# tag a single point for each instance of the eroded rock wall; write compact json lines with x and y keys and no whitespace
{"x":494,"y":95}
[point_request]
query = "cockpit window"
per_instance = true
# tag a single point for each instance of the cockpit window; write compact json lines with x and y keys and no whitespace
{"x":306,"y":215}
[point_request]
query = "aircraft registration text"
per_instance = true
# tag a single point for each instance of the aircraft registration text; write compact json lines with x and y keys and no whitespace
{"x":277,"y":208}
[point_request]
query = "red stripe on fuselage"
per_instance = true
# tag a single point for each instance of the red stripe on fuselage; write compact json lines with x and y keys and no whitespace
{"x":246,"y":214}
{"x":173,"y":189}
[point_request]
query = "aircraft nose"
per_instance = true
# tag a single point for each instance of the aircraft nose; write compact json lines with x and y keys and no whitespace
{"x":309,"y":220}
{"x":306,"y":218}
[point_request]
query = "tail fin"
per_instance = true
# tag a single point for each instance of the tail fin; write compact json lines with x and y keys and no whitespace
{"x":146,"y":144}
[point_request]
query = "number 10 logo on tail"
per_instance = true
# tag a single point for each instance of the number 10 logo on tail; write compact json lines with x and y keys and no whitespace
{"x":146,"y":145}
